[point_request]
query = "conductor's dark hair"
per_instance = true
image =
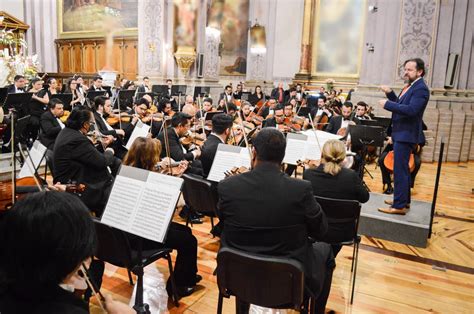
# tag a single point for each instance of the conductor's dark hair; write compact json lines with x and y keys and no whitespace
{"x":180,"y":119}
{"x":207,"y":99}
{"x":77,"y":118}
{"x":221,"y":122}
{"x":270,"y":145}
{"x":99,"y":101}
{"x":18,"y":77}
{"x":53,"y":102}
{"x":420,"y":64}
{"x":44,"y":238}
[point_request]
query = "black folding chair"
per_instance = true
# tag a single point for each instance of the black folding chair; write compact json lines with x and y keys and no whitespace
{"x":346,"y":212}
{"x":271,"y":282}
{"x":200,"y":195}
{"x":114,"y":248}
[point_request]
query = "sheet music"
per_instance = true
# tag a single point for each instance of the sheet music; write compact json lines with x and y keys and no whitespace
{"x":140,"y":130}
{"x":314,"y":146}
{"x":142,"y":203}
{"x":227,"y":157}
{"x":295,"y":148}
{"x":37,"y":153}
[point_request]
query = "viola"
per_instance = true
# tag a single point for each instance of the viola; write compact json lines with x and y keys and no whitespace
{"x":389,"y":160}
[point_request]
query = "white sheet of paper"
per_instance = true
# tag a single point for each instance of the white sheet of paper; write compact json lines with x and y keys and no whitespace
{"x":144,"y":205}
{"x":140,"y":130}
{"x":36,"y":152}
{"x":227,"y":157}
{"x":295,"y":148}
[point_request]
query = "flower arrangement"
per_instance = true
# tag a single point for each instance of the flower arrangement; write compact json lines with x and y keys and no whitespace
{"x":18,"y":62}
{"x":330,"y":84}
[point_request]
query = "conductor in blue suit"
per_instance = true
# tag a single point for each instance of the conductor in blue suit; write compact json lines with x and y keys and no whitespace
{"x":407,"y":131}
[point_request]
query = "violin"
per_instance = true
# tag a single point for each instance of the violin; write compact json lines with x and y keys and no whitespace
{"x":114,"y":119}
{"x":169,"y":166}
{"x":235,"y":171}
{"x":308,"y":164}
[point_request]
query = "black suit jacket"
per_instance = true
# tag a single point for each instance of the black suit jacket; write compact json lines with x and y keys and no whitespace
{"x":277,"y":222}
{"x":208,"y":152}
{"x":345,"y":185}
{"x":50,"y":129}
{"x":176,"y":149}
{"x":275,"y":93}
{"x":335,"y":124}
{"x":101,"y":125}
{"x":11,"y":89}
{"x":269,"y":123}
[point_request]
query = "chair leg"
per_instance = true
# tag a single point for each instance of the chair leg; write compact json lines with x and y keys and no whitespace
{"x":212,"y":222}
{"x":130,"y":278}
{"x":355,"y":271}
{"x":219,"y":304}
{"x":173,"y":283}
{"x":353,"y":256}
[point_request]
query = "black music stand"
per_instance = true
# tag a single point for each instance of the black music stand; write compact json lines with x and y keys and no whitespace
{"x":124,"y":99}
{"x":201,"y":91}
{"x":65,"y":99}
{"x":18,"y":102}
{"x":141,"y":94}
{"x":366,"y":135}
{"x":19,"y":127}
{"x":209,"y":115}
{"x":178,"y":90}
{"x":3,"y":94}
{"x":93,"y":94}
{"x":303,"y":111}
{"x":159,"y":90}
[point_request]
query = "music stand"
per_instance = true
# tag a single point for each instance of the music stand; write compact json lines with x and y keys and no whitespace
{"x":178,"y":90}
{"x":159,"y":89}
{"x":124,"y":99}
{"x":108,"y":90}
{"x":366,"y":135}
{"x":66,"y":99}
{"x":93,"y":94}
{"x":383,"y":121}
{"x":18,"y":128}
{"x":201,"y":91}
{"x":209,"y":115}
{"x":3,"y":94}
{"x":303,"y":111}
{"x":19,"y":102}
{"x":141,"y":94}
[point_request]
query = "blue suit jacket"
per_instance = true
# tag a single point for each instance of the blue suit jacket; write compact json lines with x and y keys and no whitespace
{"x":407,"y":113}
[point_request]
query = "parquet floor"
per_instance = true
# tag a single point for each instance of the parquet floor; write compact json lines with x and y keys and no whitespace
{"x":391,"y":277}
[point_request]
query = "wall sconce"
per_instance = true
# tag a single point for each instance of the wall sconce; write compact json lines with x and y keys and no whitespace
{"x":258,"y":41}
{"x":370,"y":47}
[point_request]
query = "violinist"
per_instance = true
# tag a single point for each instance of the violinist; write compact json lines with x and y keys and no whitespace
{"x":250,"y":118}
{"x":221,"y":124}
{"x":81,"y":87}
{"x":221,"y":105}
{"x":336,"y":123}
{"x":258,"y":95}
{"x":290,"y":95}
{"x":141,"y":110}
{"x":77,"y":97}
{"x":227,"y":95}
{"x":278,"y":119}
{"x":145,"y":154}
{"x":267,"y":110}
{"x":37,"y":106}
{"x":231,"y":109}
{"x":361,"y":111}
{"x":77,"y":160}
{"x":206,"y":107}
{"x":145,"y":86}
{"x":51,"y":123}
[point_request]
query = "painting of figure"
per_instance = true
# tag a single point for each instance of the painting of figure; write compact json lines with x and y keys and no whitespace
{"x":185,"y":23}
{"x":231,"y":17}
{"x":90,"y":17}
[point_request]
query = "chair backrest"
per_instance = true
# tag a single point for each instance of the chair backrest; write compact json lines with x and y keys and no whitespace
{"x":199,"y":194}
{"x":340,"y":211}
{"x":272,"y":282}
{"x":113,"y":245}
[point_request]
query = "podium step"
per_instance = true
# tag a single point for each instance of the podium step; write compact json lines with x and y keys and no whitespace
{"x":411,"y":229}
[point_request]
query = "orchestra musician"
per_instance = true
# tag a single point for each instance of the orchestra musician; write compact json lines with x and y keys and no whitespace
{"x":77,"y":97}
{"x":145,"y":86}
{"x":44,"y":240}
{"x":321,"y":111}
{"x":18,"y":86}
{"x":145,"y":154}
{"x":281,"y":220}
{"x":407,"y":130}
{"x":97,"y":85}
{"x":221,"y":124}
{"x":267,"y":110}
{"x":332,"y":180}
{"x":227,"y":95}
{"x":258,"y":94}
{"x":206,"y":107}
{"x":290,"y":95}
{"x":51,"y":123}
{"x":37,"y":106}
{"x":278,"y":93}
{"x":76,"y":159}
{"x":81,"y":87}
{"x":361,"y":111}
{"x":337,"y":123}
{"x":278,"y":119}
{"x":238,"y":91}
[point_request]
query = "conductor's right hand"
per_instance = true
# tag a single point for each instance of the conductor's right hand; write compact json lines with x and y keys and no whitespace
{"x":386,"y":89}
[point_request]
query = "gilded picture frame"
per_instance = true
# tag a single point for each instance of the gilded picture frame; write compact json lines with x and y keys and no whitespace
{"x":95,"y":18}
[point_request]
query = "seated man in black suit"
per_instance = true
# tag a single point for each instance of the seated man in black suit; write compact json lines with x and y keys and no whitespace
{"x":50,"y":123}
{"x":332,"y":180}
{"x":340,"y":122}
{"x":221,"y":125}
{"x":279,"y":221}
{"x":77,"y":160}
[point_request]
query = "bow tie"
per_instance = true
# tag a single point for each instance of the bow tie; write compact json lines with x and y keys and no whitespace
{"x":346,"y":119}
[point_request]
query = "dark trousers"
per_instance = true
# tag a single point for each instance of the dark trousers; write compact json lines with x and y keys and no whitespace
{"x":401,"y":174}
{"x":181,"y":239}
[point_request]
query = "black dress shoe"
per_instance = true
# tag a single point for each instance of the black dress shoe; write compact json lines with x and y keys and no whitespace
{"x":195,"y":220}
{"x":181,"y":291}
{"x":389,"y":190}
{"x":198,"y":214}
{"x":198,"y":278}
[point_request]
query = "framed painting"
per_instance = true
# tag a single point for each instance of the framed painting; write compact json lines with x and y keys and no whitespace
{"x":185,"y":23}
{"x":95,"y":18}
{"x":231,"y":17}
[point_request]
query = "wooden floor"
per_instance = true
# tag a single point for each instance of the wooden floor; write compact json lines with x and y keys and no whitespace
{"x":391,"y":277}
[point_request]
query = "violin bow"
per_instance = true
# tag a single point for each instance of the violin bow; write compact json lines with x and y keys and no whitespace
{"x":95,"y":290}
{"x":245,"y":135}
{"x":315,"y":132}
{"x":167,"y":148}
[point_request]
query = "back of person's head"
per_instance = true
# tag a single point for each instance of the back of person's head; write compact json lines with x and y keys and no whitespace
{"x":99,"y":101}
{"x":144,"y":153}
{"x":44,"y":238}
{"x":180,"y":119}
{"x":77,"y":118}
{"x":270,"y":145}
{"x":221,"y":122}
{"x":53,"y":102}
{"x":279,"y":107}
{"x":333,"y":155}
{"x":142,"y":101}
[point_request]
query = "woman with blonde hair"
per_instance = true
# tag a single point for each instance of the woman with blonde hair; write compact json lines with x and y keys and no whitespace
{"x":332,"y":180}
